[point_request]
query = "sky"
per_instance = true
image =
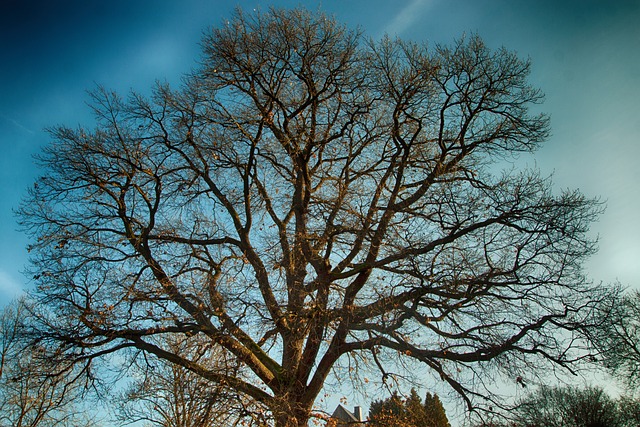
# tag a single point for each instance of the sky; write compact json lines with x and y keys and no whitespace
{"x":585,"y":57}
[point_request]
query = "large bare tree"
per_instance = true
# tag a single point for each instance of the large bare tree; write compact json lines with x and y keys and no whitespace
{"x":309,"y":197}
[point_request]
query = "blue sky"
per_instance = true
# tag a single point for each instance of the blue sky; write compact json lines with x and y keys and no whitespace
{"x":585,"y":54}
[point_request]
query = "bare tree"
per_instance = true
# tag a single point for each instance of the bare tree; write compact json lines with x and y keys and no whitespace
{"x":618,"y":339}
{"x":30,"y":396}
{"x":163,"y":394}
{"x":629,"y":411}
{"x":309,"y":198}
{"x":569,"y":407}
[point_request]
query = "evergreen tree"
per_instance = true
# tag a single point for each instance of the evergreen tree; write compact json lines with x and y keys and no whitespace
{"x":435,"y":415}
{"x":410,"y":412}
{"x":387,"y":412}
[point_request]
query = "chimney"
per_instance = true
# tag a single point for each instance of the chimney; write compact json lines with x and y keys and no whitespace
{"x":357,"y":411}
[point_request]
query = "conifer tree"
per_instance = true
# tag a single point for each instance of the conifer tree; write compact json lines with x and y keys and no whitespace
{"x":410,"y":412}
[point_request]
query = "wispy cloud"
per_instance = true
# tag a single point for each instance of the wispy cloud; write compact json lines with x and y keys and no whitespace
{"x":10,"y":288}
{"x":407,"y":16}
{"x":17,"y":124}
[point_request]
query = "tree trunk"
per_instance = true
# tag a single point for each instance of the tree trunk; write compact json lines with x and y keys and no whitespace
{"x":291,"y":414}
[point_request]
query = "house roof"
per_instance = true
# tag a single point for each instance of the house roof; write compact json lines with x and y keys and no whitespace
{"x":343,"y":414}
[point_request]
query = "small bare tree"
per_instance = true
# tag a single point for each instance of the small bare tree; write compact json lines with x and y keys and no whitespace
{"x":163,"y":394}
{"x":309,"y":199}
{"x":618,"y":339}
{"x":569,"y":407}
{"x":30,"y":395}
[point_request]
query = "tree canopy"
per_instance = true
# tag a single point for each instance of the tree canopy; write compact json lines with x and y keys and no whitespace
{"x":309,"y":199}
